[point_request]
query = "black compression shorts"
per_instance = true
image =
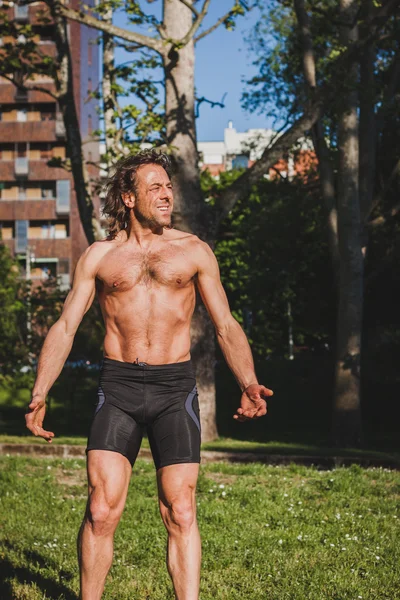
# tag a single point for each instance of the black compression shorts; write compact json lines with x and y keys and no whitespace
{"x":160,"y":398}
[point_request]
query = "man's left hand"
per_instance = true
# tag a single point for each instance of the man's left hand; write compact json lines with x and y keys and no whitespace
{"x":252,"y":404}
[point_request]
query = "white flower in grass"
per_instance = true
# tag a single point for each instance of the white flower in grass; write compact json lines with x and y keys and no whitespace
{"x":285,"y":495}
{"x":343,"y":548}
{"x":337,"y":516}
{"x":221,"y":486}
{"x":280,"y":542}
{"x":223,"y":494}
{"x":211,"y":491}
{"x":300,"y":537}
{"x":332,"y":545}
{"x":378,"y":557}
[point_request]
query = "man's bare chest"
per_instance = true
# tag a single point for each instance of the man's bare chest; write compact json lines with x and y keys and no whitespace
{"x":124,"y":271}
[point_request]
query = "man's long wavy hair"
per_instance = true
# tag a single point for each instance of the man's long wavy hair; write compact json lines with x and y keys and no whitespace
{"x":123,"y":181}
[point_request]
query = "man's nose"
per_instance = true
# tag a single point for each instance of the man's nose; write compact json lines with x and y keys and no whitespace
{"x":166,"y":192}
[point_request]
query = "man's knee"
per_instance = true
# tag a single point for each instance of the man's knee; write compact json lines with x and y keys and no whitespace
{"x":179,"y":515}
{"x":102,"y":514}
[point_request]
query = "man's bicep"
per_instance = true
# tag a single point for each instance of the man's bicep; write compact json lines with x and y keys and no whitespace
{"x":80,"y":297}
{"x":211,"y":289}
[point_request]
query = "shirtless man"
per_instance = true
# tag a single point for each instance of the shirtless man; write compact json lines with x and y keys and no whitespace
{"x":145,"y":275}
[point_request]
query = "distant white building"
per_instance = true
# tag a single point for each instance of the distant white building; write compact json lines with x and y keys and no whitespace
{"x":238,"y":149}
{"x":242,"y":149}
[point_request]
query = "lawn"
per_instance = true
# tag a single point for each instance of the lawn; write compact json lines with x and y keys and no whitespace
{"x":273,"y":533}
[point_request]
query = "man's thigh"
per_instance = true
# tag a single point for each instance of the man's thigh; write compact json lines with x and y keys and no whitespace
{"x":177,"y":483}
{"x":109,"y":474}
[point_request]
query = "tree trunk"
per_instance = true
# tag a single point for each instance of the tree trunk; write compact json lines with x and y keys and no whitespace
{"x":180,"y":117}
{"x":107,"y":91}
{"x":188,"y":198}
{"x":347,"y":415}
{"x":367,"y":125}
{"x":65,"y":94}
{"x":325,"y":167}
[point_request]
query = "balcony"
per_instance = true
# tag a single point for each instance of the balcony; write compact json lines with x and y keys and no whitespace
{"x":13,"y":210}
{"x":42,"y":248}
{"x":28,"y":131}
{"x":57,"y":248}
{"x":9,"y":95}
{"x":38,"y":171}
{"x":21,"y":166}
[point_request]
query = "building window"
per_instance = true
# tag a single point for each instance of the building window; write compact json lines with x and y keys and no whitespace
{"x":89,"y":85}
{"x":63,"y":196}
{"x":21,"y":192}
{"x":90,"y":53}
{"x":47,"y":192}
{"x":21,"y":235}
{"x":22,"y":115}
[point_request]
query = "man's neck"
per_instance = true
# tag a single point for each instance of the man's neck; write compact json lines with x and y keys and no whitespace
{"x":142,"y":234}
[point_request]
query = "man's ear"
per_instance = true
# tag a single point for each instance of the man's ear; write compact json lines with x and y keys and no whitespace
{"x":128,"y":199}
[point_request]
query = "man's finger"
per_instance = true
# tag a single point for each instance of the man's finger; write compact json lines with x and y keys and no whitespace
{"x":240,"y":418}
{"x":34,"y":405}
{"x":266,"y":391}
{"x":40,"y":432}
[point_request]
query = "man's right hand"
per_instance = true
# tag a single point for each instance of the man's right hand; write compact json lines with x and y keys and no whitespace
{"x":34,"y":419}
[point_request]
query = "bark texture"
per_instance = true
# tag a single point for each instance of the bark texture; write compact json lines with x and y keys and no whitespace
{"x":347,"y":416}
{"x":112,"y":135}
{"x":325,"y":166}
{"x":180,"y":117}
{"x":66,"y":101}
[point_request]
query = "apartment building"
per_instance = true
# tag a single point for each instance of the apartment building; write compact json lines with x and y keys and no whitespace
{"x":39,"y":220}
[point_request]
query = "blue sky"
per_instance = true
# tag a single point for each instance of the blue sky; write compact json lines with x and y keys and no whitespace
{"x":223,"y":60}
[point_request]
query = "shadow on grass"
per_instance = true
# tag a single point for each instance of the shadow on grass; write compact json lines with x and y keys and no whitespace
{"x":54,"y":590}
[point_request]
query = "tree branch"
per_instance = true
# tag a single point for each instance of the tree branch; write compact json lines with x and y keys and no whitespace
{"x":379,"y":197}
{"x":129,"y":36}
{"x":213,"y":103}
{"x":327,"y":93}
{"x":386,"y":217}
{"x":192,"y":8}
{"x":196,"y":23}
{"x":25,"y":88}
{"x":220,"y":21}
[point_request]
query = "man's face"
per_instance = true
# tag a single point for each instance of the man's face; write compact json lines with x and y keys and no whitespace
{"x":153,"y":196}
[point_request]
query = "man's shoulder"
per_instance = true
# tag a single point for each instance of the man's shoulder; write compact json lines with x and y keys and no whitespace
{"x":189,"y":239}
{"x":92,"y":256}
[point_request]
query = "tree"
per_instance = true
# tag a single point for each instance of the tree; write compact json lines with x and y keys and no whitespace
{"x":13,"y":314}
{"x":313,"y":45}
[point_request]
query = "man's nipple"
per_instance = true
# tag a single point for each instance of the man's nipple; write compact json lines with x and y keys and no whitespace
{"x":116,"y":284}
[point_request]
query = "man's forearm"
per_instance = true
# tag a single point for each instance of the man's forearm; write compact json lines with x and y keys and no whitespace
{"x":236,"y":350}
{"x":55,"y":351}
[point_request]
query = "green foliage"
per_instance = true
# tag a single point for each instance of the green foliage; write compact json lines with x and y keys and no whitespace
{"x":13,"y":313}
{"x":272,"y":250}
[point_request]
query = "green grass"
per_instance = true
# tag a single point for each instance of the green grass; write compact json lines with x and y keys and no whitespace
{"x":276,"y":533}
{"x":231,"y":445}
